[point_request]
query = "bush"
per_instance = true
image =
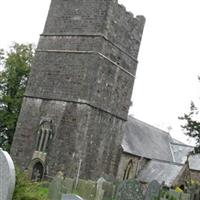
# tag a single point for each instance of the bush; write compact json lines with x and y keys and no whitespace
{"x":27,"y":190}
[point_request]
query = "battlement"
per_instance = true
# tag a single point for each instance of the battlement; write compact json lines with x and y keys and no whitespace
{"x":125,"y":30}
{"x":96,"y":17}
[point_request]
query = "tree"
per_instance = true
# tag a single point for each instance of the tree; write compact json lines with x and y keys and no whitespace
{"x":16,"y":65}
{"x":192,"y":125}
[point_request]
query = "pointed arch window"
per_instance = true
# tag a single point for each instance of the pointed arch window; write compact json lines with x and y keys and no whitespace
{"x":45,"y":134}
{"x":128,"y":170}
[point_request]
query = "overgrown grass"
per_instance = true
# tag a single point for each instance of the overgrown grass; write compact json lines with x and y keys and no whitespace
{"x":27,"y":190}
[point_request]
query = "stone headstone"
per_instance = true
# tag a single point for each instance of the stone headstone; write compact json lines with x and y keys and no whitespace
{"x":100,"y":191}
{"x":7,"y":176}
{"x":108,"y":190}
{"x":195,"y":194}
{"x":185,"y":196}
{"x":55,"y":188}
{"x":104,"y":190}
{"x":153,"y":191}
{"x":68,"y":184}
{"x":86,"y":189}
{"x":129,"y":190}
{"x":71,"y":197}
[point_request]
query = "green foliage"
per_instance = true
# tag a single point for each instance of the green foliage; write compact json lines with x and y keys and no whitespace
{"x":15,"y":66}
{"x":195,"y":183}
{"x":167,"y":195}
{"x":27,"y":190}
{"x":192,"y":125}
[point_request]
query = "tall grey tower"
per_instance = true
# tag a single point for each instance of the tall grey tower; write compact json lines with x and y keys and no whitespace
{"x":79,"y":90}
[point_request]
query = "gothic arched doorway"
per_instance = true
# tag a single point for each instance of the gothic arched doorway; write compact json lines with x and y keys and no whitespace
{"x":37,"y":171}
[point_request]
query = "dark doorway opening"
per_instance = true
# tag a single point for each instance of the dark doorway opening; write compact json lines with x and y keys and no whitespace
{"x":37,"y":172}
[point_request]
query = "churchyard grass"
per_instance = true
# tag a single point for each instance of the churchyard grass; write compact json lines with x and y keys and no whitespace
{"x":27,"y":190}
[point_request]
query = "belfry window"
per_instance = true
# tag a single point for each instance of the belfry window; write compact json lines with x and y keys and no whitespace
{"x":45,"y":134}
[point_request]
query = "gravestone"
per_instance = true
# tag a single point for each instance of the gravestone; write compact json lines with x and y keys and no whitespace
{"x":68,"y":184}
{"x":129,"y":190}
{"x":71,"y":197}
{"x":153,"y":191}
{"x":104,"y":190}
{"x":86,"y":189}
{"x":195,"y":192}
{"x":185,"y":196}
{"x":55,"y":188}
{"x":7,"y":176}
{"x":100,"y":191}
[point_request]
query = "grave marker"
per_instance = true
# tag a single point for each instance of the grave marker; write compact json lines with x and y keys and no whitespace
{"x":55,"y":188}
{"x":104,"y":190}
{"x":153,"y":191}
{"x":129,"y":190}
{"x":7,"y":176}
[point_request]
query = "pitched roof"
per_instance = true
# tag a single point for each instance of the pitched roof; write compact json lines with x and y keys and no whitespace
{"x":160,"y":171}
{"x":144,"y":140}
{"x":194,"y":162}
{"x":180,"y":152}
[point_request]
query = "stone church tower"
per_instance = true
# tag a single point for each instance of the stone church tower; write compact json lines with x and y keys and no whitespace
{"x":79,"y":90}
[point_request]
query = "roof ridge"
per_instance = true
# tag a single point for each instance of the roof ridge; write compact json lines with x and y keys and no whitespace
{"x":169,"y":162}
{"x":151,"y":125}
{"x":181,"y":144}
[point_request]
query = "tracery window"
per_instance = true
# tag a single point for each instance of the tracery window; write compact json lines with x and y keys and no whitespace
{"x":45,"y":134}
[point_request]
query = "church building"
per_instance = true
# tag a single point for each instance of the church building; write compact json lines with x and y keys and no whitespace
{"x":74,"y":116}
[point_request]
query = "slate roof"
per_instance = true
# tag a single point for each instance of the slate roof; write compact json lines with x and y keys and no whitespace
{"x":194,"y":162}
{"x":144,"y":140}
{"x":167,"y":155}
{"x":180,"y":152}
{"x":160,"y":171}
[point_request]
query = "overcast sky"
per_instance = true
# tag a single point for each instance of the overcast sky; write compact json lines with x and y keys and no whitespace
{"x":168,"y":60}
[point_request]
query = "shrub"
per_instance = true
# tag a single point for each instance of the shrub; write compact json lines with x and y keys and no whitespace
{"x":27,"y":190}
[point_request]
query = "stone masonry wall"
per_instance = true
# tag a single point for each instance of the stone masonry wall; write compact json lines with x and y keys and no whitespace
{"x":81,"y":132}
{"x":82,"y":79}
{"x":195,"y":175}
{"x":138,"y":164}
